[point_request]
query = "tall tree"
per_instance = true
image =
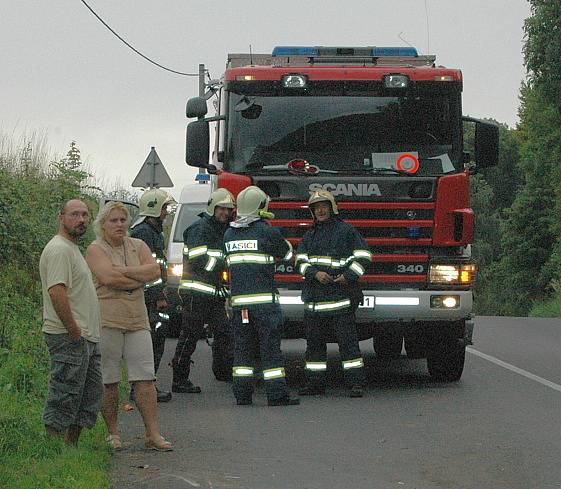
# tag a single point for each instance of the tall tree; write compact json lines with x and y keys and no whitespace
{"x":531,"y":234}
{"x":542,"y":49}
{"x":73,"y":159}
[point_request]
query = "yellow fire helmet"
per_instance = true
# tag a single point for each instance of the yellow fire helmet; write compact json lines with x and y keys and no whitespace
{"x":253,"y":202}
{"x":323,"y":196}
{"x":220,"y":198}
{"x":152,"y":201}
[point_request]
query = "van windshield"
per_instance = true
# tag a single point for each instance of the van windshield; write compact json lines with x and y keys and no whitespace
{"x":187,"y":214}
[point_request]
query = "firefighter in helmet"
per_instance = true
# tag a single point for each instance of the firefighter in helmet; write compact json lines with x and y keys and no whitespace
{"x":331,"y":257}
{"x":251,"y":247}
{"x":203,"y":298}
{"x":153,"y":206}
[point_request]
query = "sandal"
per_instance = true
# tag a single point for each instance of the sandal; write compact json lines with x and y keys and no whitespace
{"x":161,"y":444}
{"x":114,"y":441}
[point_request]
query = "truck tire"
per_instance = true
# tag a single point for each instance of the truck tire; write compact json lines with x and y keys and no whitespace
{"x":221,"y":368}
{"x":388,"y":343}
{"x":222,"y":359}
{"x":447,"y":352}
{"x":415,"y":344}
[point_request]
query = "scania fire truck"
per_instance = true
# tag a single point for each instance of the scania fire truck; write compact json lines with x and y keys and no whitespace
{"x":382,"y":129}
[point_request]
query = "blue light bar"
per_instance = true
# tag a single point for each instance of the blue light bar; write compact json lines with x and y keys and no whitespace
{"x":314,"y":51}
{"x":202,"y":177}
{"x":394,"y":51}
{"x":295,"y":51}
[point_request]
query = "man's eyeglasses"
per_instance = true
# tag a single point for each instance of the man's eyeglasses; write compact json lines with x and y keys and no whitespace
{"x":76,"y":215}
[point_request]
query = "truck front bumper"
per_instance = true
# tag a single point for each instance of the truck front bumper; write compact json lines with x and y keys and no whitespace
{"x":393,"y":305}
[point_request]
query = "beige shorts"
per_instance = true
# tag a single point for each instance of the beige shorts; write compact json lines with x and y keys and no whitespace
{"x":134,"y":347}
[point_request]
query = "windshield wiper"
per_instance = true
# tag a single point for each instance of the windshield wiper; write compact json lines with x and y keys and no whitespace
{"x":259,"y":166}
{"x":390,"y":170}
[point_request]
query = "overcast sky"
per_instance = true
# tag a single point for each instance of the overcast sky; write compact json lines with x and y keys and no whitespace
{"x":64,"y":73}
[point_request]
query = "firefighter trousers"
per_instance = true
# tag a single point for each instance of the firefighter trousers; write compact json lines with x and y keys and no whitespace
{"x":197,"y":311}
{"x":158,"y":331}
{"x":259,"y":337}
{"x":343,"y":326}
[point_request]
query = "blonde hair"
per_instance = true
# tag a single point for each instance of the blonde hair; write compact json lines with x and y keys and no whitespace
{"x":103,"y":214}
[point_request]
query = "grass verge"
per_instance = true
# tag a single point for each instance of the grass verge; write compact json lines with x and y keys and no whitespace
{"x":550,"y":308}
{"x":28,"y":459}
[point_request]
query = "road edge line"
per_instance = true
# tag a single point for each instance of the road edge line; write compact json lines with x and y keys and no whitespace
{"x":515,"y":369}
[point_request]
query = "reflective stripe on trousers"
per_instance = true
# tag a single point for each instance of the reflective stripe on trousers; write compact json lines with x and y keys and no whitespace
{"x":250,"y":299}
{"x":328,"y":305}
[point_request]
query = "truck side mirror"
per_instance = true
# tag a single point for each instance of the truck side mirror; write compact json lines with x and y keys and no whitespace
{"x":197,"y":144}
{"x":196,"y":107}
{"x":486,"y":144}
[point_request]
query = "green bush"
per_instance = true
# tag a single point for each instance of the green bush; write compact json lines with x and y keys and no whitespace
{"x":29,"y":203}
{"x":549,"y":308}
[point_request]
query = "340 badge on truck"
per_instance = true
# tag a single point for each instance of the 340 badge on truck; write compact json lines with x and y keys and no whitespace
{"x":416,"y":269}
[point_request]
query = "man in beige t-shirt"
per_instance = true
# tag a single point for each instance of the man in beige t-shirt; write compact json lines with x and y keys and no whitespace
{"x":71,"y":327}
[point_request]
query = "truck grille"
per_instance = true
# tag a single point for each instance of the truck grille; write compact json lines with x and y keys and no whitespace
{"x":398,"y":234}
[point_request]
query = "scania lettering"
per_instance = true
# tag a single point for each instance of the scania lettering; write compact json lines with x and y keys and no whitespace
{"x":381,"y":128}
{"x":364,"y":189}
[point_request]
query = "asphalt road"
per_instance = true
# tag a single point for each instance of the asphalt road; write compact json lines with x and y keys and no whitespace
{"x":498,"y":428}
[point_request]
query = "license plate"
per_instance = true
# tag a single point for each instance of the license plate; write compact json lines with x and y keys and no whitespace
{"x":368,"y":302}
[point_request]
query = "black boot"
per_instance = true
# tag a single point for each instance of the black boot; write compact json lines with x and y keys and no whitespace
{"x":244,"y":402}
{"x":312,"y":390}
{"x":185,"y":387}
{"x":284,"y":401}
{"x":356,"y":391}
{"x":163,"y":396}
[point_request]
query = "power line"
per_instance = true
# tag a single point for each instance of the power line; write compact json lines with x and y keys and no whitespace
{"x":132,"y":47}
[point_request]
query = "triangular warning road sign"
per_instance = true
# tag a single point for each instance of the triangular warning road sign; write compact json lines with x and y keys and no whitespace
{"x":152,"y":173}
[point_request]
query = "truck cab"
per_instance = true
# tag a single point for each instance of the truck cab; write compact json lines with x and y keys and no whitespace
{"x":382,"y":129}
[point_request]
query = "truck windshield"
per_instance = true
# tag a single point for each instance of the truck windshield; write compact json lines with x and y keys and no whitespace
{"x":343,"y":133}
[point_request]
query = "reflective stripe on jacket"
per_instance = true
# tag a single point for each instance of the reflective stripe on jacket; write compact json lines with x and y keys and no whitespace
{"x":336,"y":248}
{"x":154,"y":239}
{"x":250,"y":254}
{"x":203,"y":260}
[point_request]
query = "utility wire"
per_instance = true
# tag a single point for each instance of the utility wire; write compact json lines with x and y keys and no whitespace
{"x":132,"y":47}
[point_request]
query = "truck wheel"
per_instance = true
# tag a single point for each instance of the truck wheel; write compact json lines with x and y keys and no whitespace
{"x":222,"y":357}
{"x":415,"y":344}
{"x":447,"y":353}
{"x":221,"y":375}
{"x":222,"y":369}
{"x":388,"y":343}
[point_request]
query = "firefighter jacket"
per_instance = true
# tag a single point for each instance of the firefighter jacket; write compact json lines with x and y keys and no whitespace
{"x":203,"y":260}
{"x":250,"y":255}
{"x":336,"y":248}
{"x":150,"y":231}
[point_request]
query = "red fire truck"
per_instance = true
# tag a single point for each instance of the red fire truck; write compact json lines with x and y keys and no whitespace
{"x":382,"y":129}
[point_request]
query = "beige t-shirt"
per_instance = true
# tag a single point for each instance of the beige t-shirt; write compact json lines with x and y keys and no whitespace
{"x":62,"y":263}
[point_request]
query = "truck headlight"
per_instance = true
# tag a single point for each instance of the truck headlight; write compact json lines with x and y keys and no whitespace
{"x":445,"y":301}
{"x":453,"y":274}
{"x":175,"y":269}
